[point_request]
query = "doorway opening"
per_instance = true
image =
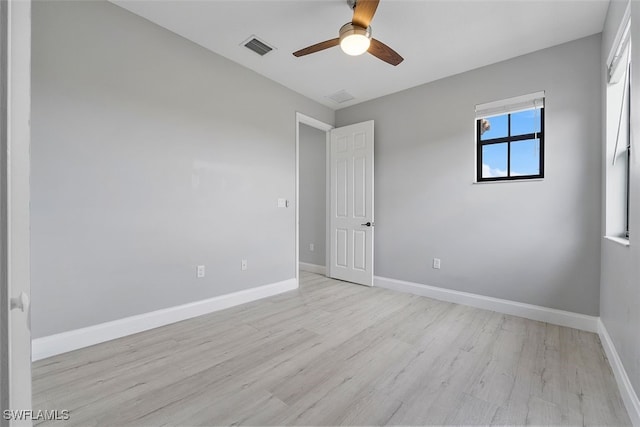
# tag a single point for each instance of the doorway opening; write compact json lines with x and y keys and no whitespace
{"x":312,"y":199}
{"x":312,"y":194}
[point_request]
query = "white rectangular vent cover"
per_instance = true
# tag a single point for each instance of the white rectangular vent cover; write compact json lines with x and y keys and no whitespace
{"x":258,"y":46}
{"x":341,"y":96}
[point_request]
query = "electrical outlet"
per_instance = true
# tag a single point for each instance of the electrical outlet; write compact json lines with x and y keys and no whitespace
{"x":312,"y":247}
{"x":200,"y":271}
{"x":436,"y":263}
{"x":243,"y":265}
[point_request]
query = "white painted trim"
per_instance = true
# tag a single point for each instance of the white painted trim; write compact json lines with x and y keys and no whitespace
{"x":297,"y":196}
{"x":67,"y":341}
{"x":314,"y":123}
{"x":313,"y":268}
{"x":528,"y":311}
{"x":619,"y":240}
{"x":327,"y":203}
{"x":325,"y":127}
{"x":514,"y":181}
{"x":629,"y":396}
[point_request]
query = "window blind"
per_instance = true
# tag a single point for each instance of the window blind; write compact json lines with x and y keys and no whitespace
{"x":618,"y":57}
{"x":510,"y":105}
{"x":618,"y":66}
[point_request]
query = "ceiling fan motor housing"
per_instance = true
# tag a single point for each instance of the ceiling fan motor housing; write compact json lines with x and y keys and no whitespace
{"x":350,"y":29}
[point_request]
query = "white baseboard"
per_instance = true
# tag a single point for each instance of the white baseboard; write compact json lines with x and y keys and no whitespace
{"x":528,"y":311}
{"x":72,"y":340}
{"x":313,"y":268}
{"x":629,"y":396}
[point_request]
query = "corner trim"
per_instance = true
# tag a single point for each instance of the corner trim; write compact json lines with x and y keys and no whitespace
{"x":629,"y":396}
{"x":72,"y":340}
{"x":528,"y":311}
{"x":313,"y":268}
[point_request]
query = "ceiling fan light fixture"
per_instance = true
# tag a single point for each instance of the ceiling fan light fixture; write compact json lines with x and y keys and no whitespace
{"x":355,"y":37}
{"x":354,"y":40}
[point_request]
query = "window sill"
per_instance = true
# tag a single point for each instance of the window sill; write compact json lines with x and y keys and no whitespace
{"x":508,"y":180}
{"x":619,"y":240}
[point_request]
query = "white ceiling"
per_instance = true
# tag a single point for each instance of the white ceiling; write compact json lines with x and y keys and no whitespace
{"x":437,"y":38}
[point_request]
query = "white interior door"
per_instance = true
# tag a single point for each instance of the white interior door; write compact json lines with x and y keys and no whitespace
{"x":351,"y":205}
{"x":15,"y":141}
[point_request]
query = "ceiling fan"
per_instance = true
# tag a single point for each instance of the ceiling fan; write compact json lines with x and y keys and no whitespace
{"x":355,"y":36}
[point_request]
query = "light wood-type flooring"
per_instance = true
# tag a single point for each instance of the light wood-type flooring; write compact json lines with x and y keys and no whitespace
{"x":335,"y":353}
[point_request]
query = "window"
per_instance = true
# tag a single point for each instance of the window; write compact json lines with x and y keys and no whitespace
{"x":626,"y":149}
{"x":510,"y":139}
{"x":618,"y":140}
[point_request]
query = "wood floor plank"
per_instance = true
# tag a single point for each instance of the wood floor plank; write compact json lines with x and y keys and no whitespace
{"x":334,"y":353}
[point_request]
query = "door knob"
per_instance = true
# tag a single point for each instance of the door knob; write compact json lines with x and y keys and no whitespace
{"x":20,"y":303}
{"x":368,"y":224}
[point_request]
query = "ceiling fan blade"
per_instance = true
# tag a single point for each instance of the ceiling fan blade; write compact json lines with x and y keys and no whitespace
{"x":364,"y":11}
{"x":384,"y":52}
{"x":317,"y":47}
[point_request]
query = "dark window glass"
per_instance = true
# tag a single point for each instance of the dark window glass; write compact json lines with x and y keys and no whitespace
{"x":524,"y":122}
{"x":494,"y":160}
{"x":525,"y":157}
{"x":499,"y":127}
{"x":511,"y":146}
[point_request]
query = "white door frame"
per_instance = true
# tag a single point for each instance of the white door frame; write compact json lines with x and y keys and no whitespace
{"x":15,"y":196}
{"x":325,"y":127}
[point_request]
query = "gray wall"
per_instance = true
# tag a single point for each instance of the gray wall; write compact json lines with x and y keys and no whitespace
{"x":313,"y":194}
{"x":532,"y":242}
{"x":151,"y":155}
{"x":620,"y":281}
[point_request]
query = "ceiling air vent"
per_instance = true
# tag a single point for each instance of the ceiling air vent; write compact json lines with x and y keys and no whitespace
{"x":341,"y":96}
{"x":258,"y":46}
